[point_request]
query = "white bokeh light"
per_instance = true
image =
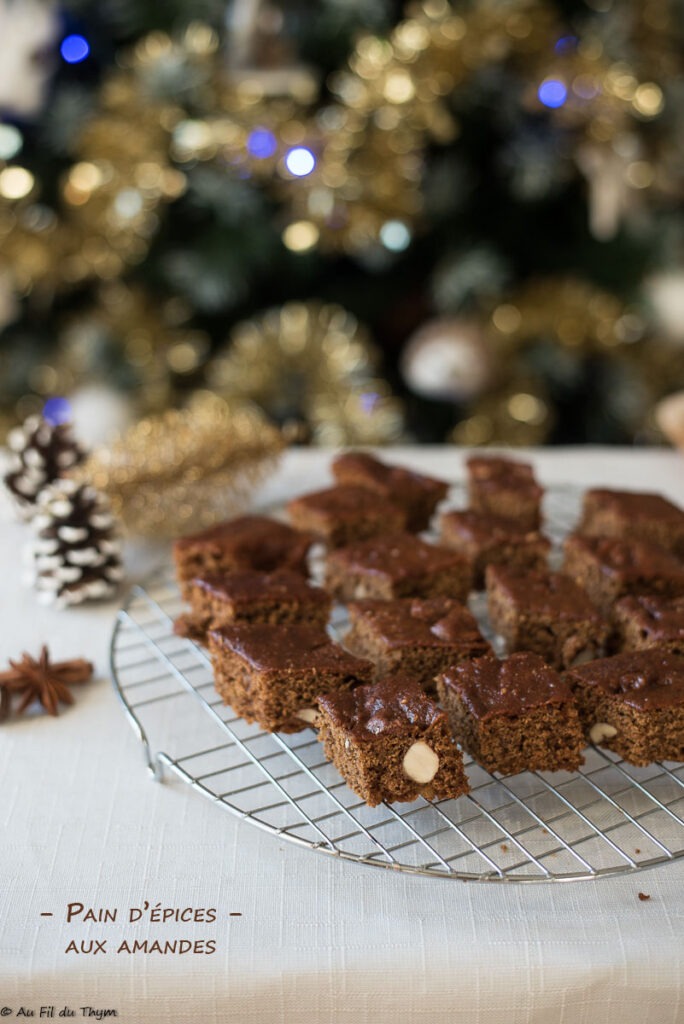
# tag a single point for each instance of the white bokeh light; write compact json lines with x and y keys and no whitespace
{"x":300,"y":161}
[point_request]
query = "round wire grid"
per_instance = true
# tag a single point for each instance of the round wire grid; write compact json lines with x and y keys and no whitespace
{"x":607,"y":818}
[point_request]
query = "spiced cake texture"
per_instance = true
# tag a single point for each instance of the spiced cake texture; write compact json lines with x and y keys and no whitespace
{"x":416,"y":494}
{"x":396,"y":565}
{"x":342,"y":514}
{"x":609,"y":568}
{"x":547,"y":613}
{"x":417,"y":637}
{"x":513,"y":716}
{"x":248,"y":542}
{"x":272,"y":674}
{"x":487,"y":539}
{"x":390,"y":741}
{"x":648,"y":621}
{"x":633,"y":704}
{"x":633,"y":514}
{"x":247,"y":596}
{"x":506,"y":488}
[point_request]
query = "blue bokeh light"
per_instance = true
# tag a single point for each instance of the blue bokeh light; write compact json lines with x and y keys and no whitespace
{"x":261,"y":143}
{"x":300,"y":161}
{"x":74,"y":49}
{"x":565,"y":44}
{"x":57,"y":410}
{"x":552,"y":93}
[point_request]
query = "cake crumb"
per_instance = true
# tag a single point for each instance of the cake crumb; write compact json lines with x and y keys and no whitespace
{"x":637,"y":850}
{"x":643,"y":897}
{"x":504,"y":847}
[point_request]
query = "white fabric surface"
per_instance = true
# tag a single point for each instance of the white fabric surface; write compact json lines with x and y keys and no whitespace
{"x":319,"y":940}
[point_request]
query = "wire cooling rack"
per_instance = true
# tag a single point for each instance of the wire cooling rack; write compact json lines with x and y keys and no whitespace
{"x":608,"y":818}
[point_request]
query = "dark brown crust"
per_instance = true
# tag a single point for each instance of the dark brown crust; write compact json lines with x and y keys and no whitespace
{"x":506,"y":488}
{"x":279,"y":597}
{"x":609,"y":568}
{"x":641,"y":696}
{"x":345,"y":513}
{"x":414,"y":637}
{"x":270,"y":673}
{"x":514,"y":715}
{"x":648,"y":621}
{"x":248,"y":542}
{"x":417,"y":494}
{"x":366,"y":733}
{"x":486,"y":539}
{"x":546,"y":613}
{"x":632,"y":514}
{"x":398,"y":565}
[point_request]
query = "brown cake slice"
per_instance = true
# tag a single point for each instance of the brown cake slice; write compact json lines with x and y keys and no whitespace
{"x":486,"y":539}
{"x":633,"y":514}
{"x":282,"y":596}
{"x":609,"y":568}
{"x":504,"y":487}
{"x":342,"y":514}
{"x":272,"y":674}
{"x":417,"y":494}
{"x":513,"y":716}
{"x":633,"y":704}
{"x":649,"y":621}
{"x":547,"y":613}
{"x":249,"y":542}
{"x":417,"y":637}
{"x":396,"y":565}
{"x":389,"y":741}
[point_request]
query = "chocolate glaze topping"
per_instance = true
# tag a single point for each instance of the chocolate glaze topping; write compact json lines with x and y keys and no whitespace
{"x":660,"y":617}
{"x":389,"y":480}
{"x":343,"y":501}
{"x":388,"y":707}
{"x":629,"y":559}
{"x":256,"y":541}
{"x":634,"y":505}
{"x":646,"y":680}
{"x":293,"y":646}
{"x":489,"y":687}
{"x":543,"y":593}
{"x":485,"y":526}
{"x":425,"y":622}
{"x":498,"y":472}
{"x":399,"y":556}
{"x":247,"y":586}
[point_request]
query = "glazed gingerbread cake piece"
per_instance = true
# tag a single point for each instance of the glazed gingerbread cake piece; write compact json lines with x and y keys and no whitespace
{"x":417,"y":637}
{"x":633,"y":514}
{"x":248,"y":542}
{"x":396,"y":565}
{"x":487,"y":539}
{"x":633,"y":704}
{"x":547,"y":613}
{"x":647,"y":620}
{"x":390,"y":742}
{"x":249,"y":596}
{"x":416,"y":493}
{"x":514,"y":715}
{"x":504,"y":487}
{"x":272,"y":674}
{"x":345,"y":513}
{"x":609,"y":568}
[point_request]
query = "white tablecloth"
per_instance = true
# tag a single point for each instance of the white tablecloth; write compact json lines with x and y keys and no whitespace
{"x":317,"y":940}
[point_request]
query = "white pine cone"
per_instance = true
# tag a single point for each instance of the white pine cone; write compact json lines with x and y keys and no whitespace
{"x":39,"y":454}
{"x":76,"y":553}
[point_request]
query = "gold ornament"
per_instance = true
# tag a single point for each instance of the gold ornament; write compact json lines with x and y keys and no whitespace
{"x":449,"y":358}
{"x":313,"y":364}
{"x":185,"y":469}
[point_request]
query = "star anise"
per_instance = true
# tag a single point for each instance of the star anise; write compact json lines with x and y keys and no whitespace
{"x":40,"y":679}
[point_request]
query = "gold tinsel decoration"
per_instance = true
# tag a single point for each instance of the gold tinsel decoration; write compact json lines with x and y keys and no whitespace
{"x":311,"y":366}
{"x":185,"y":469}
{"x":389,"y":103}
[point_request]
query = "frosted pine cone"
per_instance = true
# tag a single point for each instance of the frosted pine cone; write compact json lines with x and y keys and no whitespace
{"x":76,"y":554}
{"x":40,"y":453}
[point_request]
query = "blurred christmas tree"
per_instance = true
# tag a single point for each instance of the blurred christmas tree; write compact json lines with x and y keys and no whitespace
{"x":190,"y":191}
